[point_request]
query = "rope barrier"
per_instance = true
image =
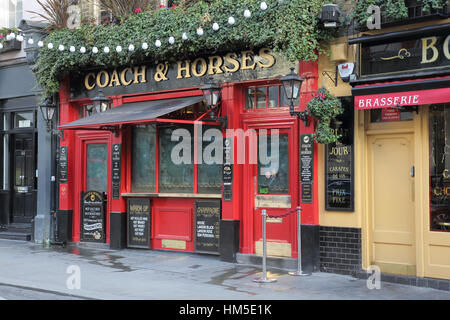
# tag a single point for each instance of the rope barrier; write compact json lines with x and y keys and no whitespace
{"x":289,"y":212}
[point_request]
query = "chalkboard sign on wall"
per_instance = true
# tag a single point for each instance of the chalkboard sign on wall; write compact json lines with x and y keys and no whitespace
{"x":93,"y":217}
{"x":339,"y":179}
{"x":139,"y":219}
{"x":207,"y":220}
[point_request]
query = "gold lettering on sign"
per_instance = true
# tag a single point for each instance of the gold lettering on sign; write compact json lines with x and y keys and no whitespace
{"x":265,"y":54}
{"x":86,"y":81}
{"x":123,"y":76}
{"x":161,"y":72}
{"x":186,"y":69}
{"x":203,"y":67}
{"x":114,"y":79}
{"x":231,"y":58}
{"x":140,"y":74}
{"x":426,"y":45}
{"x":446,"y":47}
{"x":246,"y":57}
{"x":102,"y":75}
{"x":215,"y":62}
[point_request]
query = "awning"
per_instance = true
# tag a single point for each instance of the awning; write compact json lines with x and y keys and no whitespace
{"x":402,"y":93}
{"x":136,"y":112}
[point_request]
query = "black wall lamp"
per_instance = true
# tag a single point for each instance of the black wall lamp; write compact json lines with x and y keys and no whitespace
{"x":292,"y":85}
{"x":212,"y":93}
{"x":100,"y":103}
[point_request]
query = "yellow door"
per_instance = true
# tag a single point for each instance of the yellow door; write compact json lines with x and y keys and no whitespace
{"x":391,"y":203}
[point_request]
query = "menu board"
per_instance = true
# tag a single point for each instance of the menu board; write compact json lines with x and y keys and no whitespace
{"x":227,"y":170}
{"x":339,"y":180}
{"x":63,"y":165}
{"x":306,"y":167}
{"x":93,"y":217}
{"x":207,"y":219}
{"x":116,"y":159}
{"x":139,"y":219}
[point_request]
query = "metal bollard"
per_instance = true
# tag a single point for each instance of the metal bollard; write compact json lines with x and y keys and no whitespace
{"x":264,"y":278}
{"x":299,"y":271}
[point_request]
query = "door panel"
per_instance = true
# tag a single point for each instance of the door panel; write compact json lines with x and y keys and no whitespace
{"x":274,"y":191}
{"x":24,"y":196}
{"x":391,"y":194}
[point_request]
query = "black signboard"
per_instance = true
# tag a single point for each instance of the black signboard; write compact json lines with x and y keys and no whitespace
{"x":93,"y":217}
{"x":405,"y":55}
{"x":339,"y":180}
{"x":227,"y":170}
{"x":306,"y":167}
{"x":63,"y":165}
{"x":139,"y":223}
{"x":207,"y":219}
{"x":116,"y":162}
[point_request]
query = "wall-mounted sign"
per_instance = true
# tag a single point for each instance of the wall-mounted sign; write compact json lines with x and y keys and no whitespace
{"x":306,"y":167}
{"x":228,"y":67}
{"x":227,"y":178}
{"x":116,"y":163}
{"x":139,"y":223}
{"x":396,"y":56}
{"x":63,"y":165}
{"x":207,"y":219}
{"x":339,"y":180}
{"x":93,"y":217}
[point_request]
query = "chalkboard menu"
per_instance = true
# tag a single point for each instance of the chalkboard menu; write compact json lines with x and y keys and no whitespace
{"x":306,"y":167}
{"x":228,"y":170}
{"x":63,"y":165}
{"x":139,"y":219}
{"x":116,"y":159}
{"x":339,"y":180}
{"x":207,"y":219}
{"x":93,"y":217}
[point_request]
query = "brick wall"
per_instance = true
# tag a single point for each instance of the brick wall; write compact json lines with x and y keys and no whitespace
{"x":340,"y":250}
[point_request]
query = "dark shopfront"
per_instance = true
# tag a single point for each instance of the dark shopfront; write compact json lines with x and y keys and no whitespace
{"x":18,"y":152}
{"x":195,"y":204}
{"x":403,"y":93}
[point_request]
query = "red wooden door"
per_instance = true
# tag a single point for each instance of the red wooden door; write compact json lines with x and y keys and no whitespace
{"x":271,"y":185}
{"x":93,"y":154}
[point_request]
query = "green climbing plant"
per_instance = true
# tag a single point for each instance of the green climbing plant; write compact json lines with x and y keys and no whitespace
{"x":324,"y":107}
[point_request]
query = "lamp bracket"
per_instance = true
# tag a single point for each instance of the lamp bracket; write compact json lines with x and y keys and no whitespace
{"x":113,"y":129}
{"x":332,"y":75}
{"x":302,"y":115}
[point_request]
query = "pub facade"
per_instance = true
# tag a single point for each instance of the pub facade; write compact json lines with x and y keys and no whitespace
{"x":391,"y":210}
{"x":164,"y":168}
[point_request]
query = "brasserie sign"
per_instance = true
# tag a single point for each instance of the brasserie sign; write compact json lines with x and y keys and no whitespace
{"x":228,"y":67}
{"x":405,"y":55}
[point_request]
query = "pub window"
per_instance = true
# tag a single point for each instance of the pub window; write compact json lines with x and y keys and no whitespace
{"x":209,"y":171}
{"x":273,"y":173}
{"x":24,"y":120}
{"x":11,"y":13}
{"x":143,"y":160}
{"x":266,"y":97}
{"x":391,"y":114}
{"x":440,"y":168}
{"x":176,"y":166}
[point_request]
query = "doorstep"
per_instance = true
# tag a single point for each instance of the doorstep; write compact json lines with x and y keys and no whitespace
{"x":286,"y":264}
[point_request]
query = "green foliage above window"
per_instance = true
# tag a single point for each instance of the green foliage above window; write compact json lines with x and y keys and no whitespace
{"x":290,"y":27}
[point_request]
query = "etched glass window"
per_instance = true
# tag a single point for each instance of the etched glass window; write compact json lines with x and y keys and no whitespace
{"x":96,"y":167}
{"x":143,"y":159}
{"x":209,"y":171}
{"x":440,"y":168}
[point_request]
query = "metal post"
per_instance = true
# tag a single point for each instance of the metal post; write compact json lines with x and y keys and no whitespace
{"x":264,"y":278}
{"x":299,"y":271}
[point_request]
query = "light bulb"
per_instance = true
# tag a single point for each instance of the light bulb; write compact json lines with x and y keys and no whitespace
{"x":171,"y":40}
{"x":158,"y":43}
{"x":61,"y":47}
{"x":200,"y":31}
{"x":72,"y":49}
{"x":184,"y":36}
{"x":94,"y":50}
{"x":263,"y":5}
{"x":131,"y":47}
{"x":83,"y":50}
{"x":215,"y":26}
{"x":30,"y":41}
{"x":247,"y":13}
{"x":106,"y":50}
{"x":231,"y":20}
{"x":145,"y":46}
{"x":119,"y":49}
{"x":40,"y":44}
{"x":19,"y":38}
{"x":50,"y":46}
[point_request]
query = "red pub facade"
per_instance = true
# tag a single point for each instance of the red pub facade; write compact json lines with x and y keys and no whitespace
{"x":118,"y":184}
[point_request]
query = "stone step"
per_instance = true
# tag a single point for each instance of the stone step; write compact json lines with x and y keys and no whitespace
{"x":9,"y":235}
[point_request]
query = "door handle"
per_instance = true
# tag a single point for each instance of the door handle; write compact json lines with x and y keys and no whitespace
{"x":412,"y":171}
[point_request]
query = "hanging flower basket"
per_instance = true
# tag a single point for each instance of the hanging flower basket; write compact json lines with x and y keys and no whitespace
{"x":324,"y":107}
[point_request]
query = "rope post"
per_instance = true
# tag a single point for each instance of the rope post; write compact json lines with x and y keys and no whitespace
{"x":264,"y":278}
{"x":299,"y":271}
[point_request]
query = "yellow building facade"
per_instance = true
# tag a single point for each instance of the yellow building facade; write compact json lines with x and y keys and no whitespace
{"x":401,"y":157}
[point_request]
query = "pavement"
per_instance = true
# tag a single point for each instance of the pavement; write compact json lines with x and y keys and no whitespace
{"x":30,"y":271}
